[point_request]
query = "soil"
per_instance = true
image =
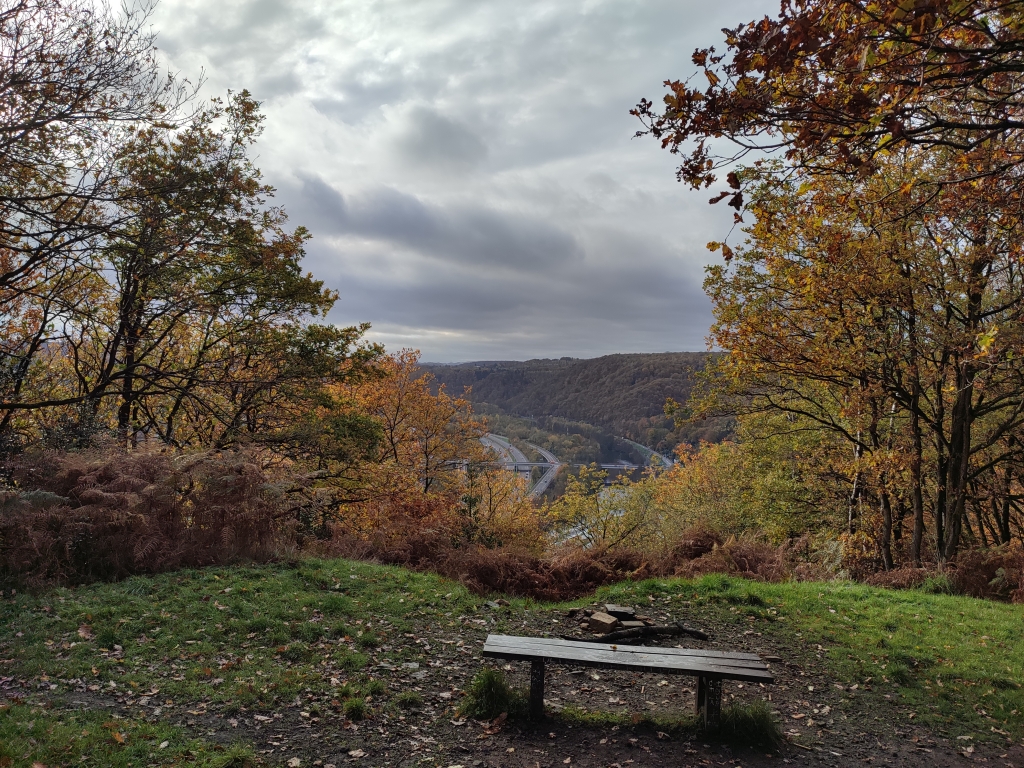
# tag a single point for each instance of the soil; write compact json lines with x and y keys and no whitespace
{"x":826,"y":723}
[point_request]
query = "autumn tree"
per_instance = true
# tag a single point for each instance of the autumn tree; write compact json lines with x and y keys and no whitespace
{"x":426,"y":435}
{"x":74,"y":79}
{"x":835,"y":83}
{"x":878,"y":294}
{"x":896,"y":327}
{"x":621,"y":515}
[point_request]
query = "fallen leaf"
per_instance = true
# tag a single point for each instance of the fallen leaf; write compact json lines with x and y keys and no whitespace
{"x":85,"y":632}
{"x":118,"y":737}
{"x":295,"y":762}
{"x":356,"y":753}
{"x":164,"y":744}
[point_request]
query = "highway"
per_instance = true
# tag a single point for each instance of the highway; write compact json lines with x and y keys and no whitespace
{"x":550,"y":475}
{"x":508,"y":454}
{"x":514,"y":459}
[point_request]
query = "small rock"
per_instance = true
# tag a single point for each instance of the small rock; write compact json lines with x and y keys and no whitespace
{"x":632,"y":624}
{"x":620,"y":612}
{"x":492,"y":605}
{"x":602,"y":622}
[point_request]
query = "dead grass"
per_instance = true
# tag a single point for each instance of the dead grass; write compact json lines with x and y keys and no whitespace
{"x":106,"y":515}
{"x":101,"y":515}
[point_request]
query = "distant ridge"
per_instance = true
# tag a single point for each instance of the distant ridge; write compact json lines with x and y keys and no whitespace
{"x":623,"y":394}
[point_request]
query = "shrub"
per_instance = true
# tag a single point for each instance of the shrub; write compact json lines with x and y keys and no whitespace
{"x":938,"y":584}
{"x":997,"y":573}
{"x":747,"y":558}
{"x":693,"y":543}
{"x":489,"y":695}
{"x":900,"y":578}
{"x":107,"y":514}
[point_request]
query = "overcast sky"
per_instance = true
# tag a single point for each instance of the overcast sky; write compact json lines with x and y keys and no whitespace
{"x":468,"y":168}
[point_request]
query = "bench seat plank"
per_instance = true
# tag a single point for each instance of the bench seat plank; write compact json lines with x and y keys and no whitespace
{"x":628,"y":658}
{"x":557,"y":641}
{"x":646,"y":657}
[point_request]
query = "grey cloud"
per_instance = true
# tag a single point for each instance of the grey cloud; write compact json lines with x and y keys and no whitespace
{"x":472,"y":236}
{"x":430,"y":139}
{"x":468,"y":169}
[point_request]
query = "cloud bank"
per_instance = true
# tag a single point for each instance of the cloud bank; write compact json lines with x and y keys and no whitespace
{"x":468,"y":169}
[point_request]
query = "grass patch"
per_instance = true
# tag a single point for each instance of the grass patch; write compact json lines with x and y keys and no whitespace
{"x":31,"y":734}
{"x":409,"y":700}
{"x":937,"y":656}
{"x":356,"y":709}
{"x":258,"y":637}
{"x":268,"y":633}
{"x":752,"y":724}
{"x":490,"y":695}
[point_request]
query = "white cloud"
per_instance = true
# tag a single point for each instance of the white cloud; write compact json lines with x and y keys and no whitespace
{"x":468,"y":169}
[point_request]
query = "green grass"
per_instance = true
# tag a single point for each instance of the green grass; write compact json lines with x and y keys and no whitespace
{"x":489,"y":696}
{"x":257,"y":637}
{"x":752,"y":724}
{"x":953,"y":662}
{"x":252,"y":636}
{"x":33,"y":734}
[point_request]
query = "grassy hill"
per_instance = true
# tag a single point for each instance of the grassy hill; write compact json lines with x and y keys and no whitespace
{"x":622,"y":395}
{"x":337,"y":661}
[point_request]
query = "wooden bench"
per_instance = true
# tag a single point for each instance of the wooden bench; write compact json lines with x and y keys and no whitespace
{"x":709,"y":667}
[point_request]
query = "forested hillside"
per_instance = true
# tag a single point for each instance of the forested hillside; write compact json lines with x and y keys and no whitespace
{"x":624,"y":395}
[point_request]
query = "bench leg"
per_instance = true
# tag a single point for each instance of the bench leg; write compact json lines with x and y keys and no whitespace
{"x":537,"y":690}
{"x":709,"y":702}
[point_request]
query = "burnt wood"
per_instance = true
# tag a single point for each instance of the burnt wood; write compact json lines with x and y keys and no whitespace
{"x":710,"y":667}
